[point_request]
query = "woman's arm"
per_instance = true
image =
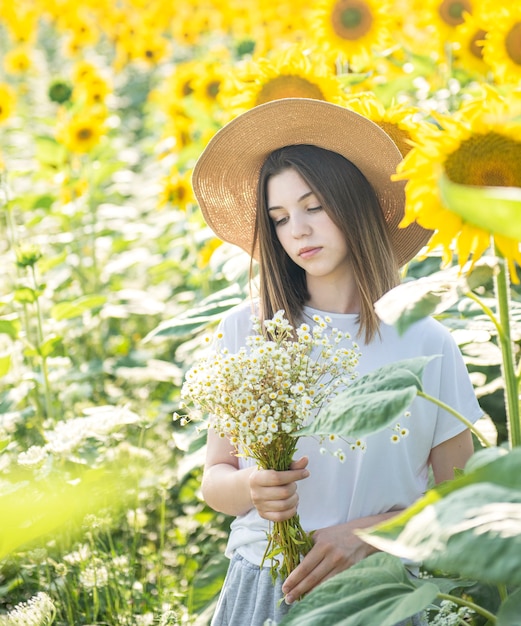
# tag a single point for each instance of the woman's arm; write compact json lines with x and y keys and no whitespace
{"x":234,"y":491}
{"x":451,"y":454}
{"x":225,"y":488}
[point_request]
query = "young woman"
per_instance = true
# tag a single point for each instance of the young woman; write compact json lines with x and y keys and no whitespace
{"x":305,"y":188}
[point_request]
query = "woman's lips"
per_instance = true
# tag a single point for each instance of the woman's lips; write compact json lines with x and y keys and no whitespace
{"x":306,"y":253}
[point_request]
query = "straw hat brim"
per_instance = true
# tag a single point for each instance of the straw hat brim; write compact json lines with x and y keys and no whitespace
{"x":226,"y":174}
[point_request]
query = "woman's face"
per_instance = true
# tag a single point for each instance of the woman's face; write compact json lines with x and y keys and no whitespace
{"x":306,"y":232}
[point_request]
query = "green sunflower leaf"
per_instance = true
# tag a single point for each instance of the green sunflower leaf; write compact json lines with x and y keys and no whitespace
{"x":376,"y":590}
{"x":75,"y":308}
{"x":478,"y":513}
{"x":372,"y":402}
{"x":494,"y":209}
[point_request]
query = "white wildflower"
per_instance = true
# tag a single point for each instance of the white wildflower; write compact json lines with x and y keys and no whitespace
{"x":81,"y":555}
{"x":38,"y":611}
{"x":94,"y":576}
{"x":35,"y":456}
{"x":147,"y":619}
{"x":137,"y":518}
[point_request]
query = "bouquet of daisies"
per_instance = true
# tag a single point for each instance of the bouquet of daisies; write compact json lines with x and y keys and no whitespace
{"x":261,"y":396}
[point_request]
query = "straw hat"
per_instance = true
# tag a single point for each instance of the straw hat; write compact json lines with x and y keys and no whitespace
{"x":225,"y":176}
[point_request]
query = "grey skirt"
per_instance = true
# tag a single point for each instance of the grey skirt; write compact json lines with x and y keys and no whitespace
{"x":249,"y":598}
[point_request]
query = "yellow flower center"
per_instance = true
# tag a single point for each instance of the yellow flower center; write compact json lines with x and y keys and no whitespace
{"x":475,"y":48}
{"x":491,"y":159}
{"x":84,"y":134}
{"x":451,"y":11}
{"x":513,"y":43}
{"x":212,"y":89}
{"x":351,"y":19}
{"x":398,"y":135}
{"x":288,"y":86}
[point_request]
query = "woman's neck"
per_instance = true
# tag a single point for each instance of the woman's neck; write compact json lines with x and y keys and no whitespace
{"x":333,"y":298}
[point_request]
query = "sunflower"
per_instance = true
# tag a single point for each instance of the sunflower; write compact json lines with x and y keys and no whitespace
{"x":82,"y":131}
{"x":91,"y":91}
{"x":205,"y":253}
{"x":502,"y":47}
{"x":354,"y":29}
{"x":398,"y":121}
{"x":469,"y":38}
{"x":177,"y":190}
{"x":208,"y":83}
{"x":151,"y":47}
{"x":291,"y":73}
{"x":193,"y":20}
{"x":7,"y":101}
{"x":17,"y":60}
{"x":20,"y":21}
{"x":479,"y":145}
{"x":438,"y":21}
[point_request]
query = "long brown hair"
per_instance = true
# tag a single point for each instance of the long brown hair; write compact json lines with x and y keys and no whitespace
{"x":349,"y":200}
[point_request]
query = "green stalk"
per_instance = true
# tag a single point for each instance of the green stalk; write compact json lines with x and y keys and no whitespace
{"x":162,"y":536}
{"x":45,"y":371}
{"x":471,"y":605}
{"x":459,"y":416}
{"x":502,"y":292}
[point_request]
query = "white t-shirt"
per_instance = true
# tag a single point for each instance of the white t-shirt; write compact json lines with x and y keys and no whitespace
{"x":387,"y":476}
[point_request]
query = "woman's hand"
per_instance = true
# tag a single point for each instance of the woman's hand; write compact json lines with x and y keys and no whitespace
{"x":274,"y":493}
{"x":335,"y":549}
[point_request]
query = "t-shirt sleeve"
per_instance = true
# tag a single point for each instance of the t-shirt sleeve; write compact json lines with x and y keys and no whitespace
{"x":447,"y":379}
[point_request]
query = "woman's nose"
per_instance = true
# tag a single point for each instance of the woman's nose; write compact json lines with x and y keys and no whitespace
{"x":300,"y":227}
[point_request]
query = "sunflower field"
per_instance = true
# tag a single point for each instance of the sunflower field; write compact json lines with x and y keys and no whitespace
{"x":111,"y":279}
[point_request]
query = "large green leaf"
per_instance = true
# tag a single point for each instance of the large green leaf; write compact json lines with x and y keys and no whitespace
{"x":5,"y":364}
{"x":75,"y":308}
{"x":431,"y":295}
{"x":208,"y":583}
{"x":510,"y":611}
{"x":10,"y":327}
{"x":478,"y":513}
{"x":194,"y":320}
{"x":474,"y":532}
{"x":372,"y":402}
{"x":375,"y":591}
{"x":494,"y":209}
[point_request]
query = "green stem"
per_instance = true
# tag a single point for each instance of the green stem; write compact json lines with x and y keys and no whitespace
{"x":502,"y":289}
{"x":462,"y":419}
{"x":487,"y":310}
{"x":471,"y":605}
{"x":162,"y":536}
{"x":45,"y":371}
{"x":503,"y":593}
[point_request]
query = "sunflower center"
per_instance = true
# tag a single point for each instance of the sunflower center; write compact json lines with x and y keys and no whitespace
{"x":475,"y":48}
{"x":451,"y":11}
{"x":212,"y":89}
{"x":486,"y":160}
{"x":351,"y":19}
{"x":84,"y":134}
{"x":288,"y":86}
{"x":513,"y":43}
{"x":398,"y":135}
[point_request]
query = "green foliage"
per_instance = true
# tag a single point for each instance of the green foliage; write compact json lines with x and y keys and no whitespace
{"x":377,"y":590}
{"x":494,"y":209}
{"x":372,"y":402}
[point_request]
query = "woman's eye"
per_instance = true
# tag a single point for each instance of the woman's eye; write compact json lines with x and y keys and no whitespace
{"x":280,"y":221}
{"x":315,"y":208}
